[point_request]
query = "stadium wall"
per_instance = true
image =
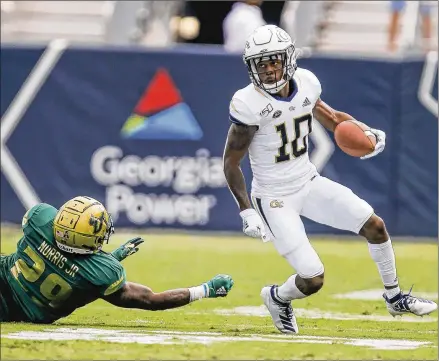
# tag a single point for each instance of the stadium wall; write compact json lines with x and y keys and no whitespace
{"x":143,"y":131}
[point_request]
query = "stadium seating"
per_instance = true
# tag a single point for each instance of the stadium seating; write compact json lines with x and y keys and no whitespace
{"x":40,"y":21}
{"x":360,"y":26}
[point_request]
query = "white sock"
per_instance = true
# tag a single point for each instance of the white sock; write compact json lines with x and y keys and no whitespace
{"x":384,"y":257}
{"x":198,"y":292}
{"x":289,"y":291}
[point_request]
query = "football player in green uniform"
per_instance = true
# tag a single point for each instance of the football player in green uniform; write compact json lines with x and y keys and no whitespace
{"x":60,"y":266}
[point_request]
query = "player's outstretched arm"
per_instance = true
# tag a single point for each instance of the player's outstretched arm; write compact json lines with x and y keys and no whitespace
{"x":134,"y":295}
{"x":237,"y":144}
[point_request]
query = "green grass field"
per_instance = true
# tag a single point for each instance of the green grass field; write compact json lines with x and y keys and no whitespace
{"x":237,"y":327}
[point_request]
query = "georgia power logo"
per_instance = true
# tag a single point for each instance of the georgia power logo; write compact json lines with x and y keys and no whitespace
{"x":159,"y":115}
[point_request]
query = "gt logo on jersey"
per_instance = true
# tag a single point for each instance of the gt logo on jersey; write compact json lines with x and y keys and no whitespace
{"x":276,"y":204}
{"x":266,"y":111}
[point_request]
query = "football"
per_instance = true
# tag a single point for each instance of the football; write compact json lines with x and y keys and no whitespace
{"x":352,"y":139}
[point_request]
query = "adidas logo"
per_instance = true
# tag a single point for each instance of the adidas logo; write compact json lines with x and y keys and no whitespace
{"x":161,"y":114}
{"x":306,"y":102}
{"x":221,"y":291}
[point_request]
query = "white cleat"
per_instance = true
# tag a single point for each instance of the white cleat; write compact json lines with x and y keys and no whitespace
{"x":406,"y":303}
{"x":281,"y":312}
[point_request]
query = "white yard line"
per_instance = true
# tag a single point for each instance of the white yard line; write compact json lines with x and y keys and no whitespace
{"x":206,"y":338}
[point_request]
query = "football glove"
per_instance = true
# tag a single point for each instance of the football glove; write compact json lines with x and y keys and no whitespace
{"x":127,"y":249}
{"x":380,"y":144}
{"x":252,"y":224}
{"x":219,"y":286}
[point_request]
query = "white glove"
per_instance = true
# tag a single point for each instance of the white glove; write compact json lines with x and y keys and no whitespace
{"x":380,"y":144}
{"x":252,"y":224}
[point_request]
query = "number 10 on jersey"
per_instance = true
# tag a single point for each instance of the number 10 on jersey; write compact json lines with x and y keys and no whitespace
{"x":283,"y":155}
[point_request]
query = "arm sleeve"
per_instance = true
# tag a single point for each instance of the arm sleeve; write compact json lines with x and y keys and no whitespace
{"x":113,"y":278}
{"x":239,"y":113}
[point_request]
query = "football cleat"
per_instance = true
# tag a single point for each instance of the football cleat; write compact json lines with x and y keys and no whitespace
{"x":281,"y":312}
{"x":406,"y":303}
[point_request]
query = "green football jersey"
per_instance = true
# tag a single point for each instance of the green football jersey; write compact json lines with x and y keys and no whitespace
{"x":47,"y":283}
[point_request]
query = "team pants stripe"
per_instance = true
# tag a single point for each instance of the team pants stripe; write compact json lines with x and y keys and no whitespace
{"x":258,"y":205}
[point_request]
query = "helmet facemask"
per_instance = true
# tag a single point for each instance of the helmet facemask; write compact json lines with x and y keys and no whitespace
{"x":109,"y":230}
{"x":288,"y":58}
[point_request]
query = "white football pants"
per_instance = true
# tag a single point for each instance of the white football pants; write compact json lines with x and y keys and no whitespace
{"x":321,"y":200}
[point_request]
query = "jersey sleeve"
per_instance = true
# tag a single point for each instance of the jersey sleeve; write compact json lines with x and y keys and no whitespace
{"x":313,"y":82}
{"x":112,"y":276}
{"x":39,"y":219}
{"x":240,"y":113}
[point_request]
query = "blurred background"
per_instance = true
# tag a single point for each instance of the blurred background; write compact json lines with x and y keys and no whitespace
{"x":375,"y":27}
{"x":127,"y":102}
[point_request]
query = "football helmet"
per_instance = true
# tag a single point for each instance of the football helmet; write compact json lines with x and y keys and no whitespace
{"x":269,"y":42}
{"x":82,"y":225}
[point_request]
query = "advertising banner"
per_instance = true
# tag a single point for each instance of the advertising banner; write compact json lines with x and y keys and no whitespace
{"x":144,"y":132}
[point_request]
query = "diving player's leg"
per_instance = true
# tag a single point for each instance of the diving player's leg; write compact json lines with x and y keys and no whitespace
{"x":337,"y":206}
{"x":10,"y":310}
{"x":4,"y":311}
{"x":289,"y":238}
{"x":6,"y":300}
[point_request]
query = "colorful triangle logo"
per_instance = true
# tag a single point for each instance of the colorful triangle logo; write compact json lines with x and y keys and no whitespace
{"x":161,"y":113}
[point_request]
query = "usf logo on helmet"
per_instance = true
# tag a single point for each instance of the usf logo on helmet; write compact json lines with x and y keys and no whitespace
{"x":82,"y":225}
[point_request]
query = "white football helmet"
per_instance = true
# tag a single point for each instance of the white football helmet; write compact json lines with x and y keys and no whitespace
{"x":270,"y":42}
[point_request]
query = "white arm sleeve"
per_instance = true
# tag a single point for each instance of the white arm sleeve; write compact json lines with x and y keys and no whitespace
{"x":239,"y":113}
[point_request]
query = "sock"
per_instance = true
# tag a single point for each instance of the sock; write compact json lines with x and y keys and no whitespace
{"x":384,"y":257}
{"x":289,"y":291}
{"x":198,"y":292}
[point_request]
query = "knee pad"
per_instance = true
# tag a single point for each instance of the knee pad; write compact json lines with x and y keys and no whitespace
{"x":305,"y":260}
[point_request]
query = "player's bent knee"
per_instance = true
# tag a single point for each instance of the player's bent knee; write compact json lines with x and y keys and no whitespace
{"x":305,"y":261}
{"x":314,"y":284}
{"x":375,"y":230}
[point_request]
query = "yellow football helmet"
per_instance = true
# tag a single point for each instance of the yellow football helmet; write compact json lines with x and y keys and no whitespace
{"x":82,"y":225}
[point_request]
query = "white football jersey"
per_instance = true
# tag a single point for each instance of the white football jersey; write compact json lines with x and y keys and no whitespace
{"x":279,"y":150}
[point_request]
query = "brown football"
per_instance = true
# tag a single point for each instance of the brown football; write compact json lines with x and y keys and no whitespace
{"x":351,"y":138}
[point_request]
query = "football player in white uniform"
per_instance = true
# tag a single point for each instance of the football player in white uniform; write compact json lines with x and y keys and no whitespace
{"x":271,"y":120}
